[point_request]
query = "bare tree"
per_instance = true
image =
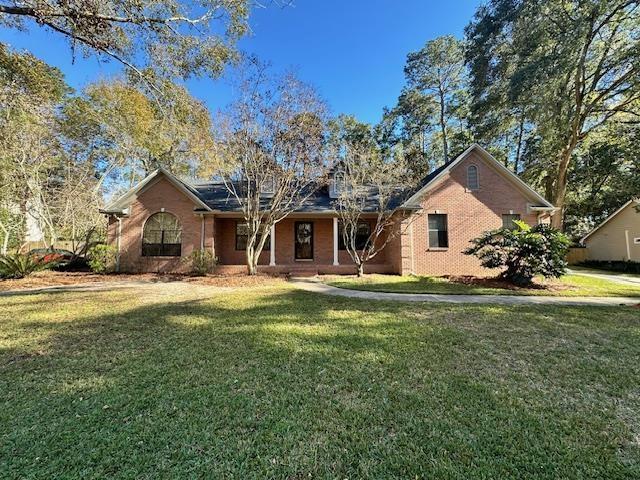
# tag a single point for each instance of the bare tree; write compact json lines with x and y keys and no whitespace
{"x":371,"y":195}
{"x":272,"y":143}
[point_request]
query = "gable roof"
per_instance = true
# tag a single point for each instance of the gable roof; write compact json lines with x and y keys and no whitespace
{"x":609,"y":218}
{"x":440,"y":173}
{"x":120,"y":204}
{"x":215,"y":197}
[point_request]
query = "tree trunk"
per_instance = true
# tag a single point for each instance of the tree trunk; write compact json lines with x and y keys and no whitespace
{"x":5,"y":240}
{"x":560,"y":190}
{"x":252,"y":262}
{"x":360,"y":270}
{"x":443,"y":128}
{"x":516,"y":162}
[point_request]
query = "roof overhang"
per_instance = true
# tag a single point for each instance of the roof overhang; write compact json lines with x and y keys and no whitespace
{"x":540,"y":201}
{"x":119,"y":206}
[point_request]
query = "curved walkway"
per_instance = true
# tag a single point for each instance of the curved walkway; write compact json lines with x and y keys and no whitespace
{"x":318,"y":287}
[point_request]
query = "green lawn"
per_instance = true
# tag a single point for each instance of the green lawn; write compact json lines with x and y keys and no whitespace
{"x":569,"y":285}
{"x":271,"y":382}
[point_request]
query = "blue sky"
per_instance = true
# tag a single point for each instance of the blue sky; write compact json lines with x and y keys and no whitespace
{"x":352,"y":51}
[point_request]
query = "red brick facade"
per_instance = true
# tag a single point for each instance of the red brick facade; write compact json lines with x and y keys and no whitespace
{"x":469,"y":213}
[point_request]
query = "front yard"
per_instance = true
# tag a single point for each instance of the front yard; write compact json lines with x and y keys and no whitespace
{"x":569,"y":285}
{"x":271,"y":382}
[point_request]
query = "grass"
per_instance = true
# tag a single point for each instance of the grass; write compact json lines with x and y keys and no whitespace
{"x":569,"y":285}
{"x":272,"y":382}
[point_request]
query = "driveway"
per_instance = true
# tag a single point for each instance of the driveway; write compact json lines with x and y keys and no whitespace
{"x":322,"y":288}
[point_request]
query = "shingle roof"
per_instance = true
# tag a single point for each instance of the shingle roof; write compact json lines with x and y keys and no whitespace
{"x":218,"y":198}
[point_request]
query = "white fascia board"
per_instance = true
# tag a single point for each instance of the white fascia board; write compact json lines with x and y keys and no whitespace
{"x":606,"y":220}
{"x":123,"y":202}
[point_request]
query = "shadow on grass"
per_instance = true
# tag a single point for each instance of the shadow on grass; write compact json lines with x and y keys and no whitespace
{"x":287,"y":384}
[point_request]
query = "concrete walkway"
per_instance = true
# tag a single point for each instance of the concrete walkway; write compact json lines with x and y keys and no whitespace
{"x":316,"y":286}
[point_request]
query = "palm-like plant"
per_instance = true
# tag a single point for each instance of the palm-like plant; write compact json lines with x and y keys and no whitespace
{"x":17,"y":265}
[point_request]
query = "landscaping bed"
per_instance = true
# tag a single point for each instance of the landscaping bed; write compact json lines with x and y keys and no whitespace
{"x":53,"y":278}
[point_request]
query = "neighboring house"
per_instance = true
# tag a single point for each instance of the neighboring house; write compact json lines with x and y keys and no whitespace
{"x":164,"y":219}
{"x":618,"y":237}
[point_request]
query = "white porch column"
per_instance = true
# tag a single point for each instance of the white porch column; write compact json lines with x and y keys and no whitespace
{"x":272,"y":258}
{"x":335,"y":241}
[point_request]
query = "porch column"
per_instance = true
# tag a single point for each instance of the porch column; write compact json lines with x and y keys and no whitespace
{"x":335,"y":241}
{"x":272,"y":258}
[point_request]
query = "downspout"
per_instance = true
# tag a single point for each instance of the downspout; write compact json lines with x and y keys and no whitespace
{"x":202,"y":232}
{"x":626,"y":237}
{"x":413,"y":261}
{"x":118,"y":243}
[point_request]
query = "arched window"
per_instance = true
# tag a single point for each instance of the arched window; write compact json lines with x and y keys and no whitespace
{"x":162,"y":236}
{"x":472,"y":178}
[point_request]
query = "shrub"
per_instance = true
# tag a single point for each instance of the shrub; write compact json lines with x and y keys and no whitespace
{"x":524,"y":252}
{"x":18,"y":265}
{"x":624,"y":266}
{"x":102,"y":258}
{"x":201,"y":261}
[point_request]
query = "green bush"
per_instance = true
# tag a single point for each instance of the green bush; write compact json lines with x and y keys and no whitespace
{"x":623,"y":266}
{"x":102,"y":258}
{"x":523,"y":252}
{"x":201,"y":262}
{"x":18,"y":265}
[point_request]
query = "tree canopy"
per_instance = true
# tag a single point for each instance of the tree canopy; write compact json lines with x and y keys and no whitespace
{"x":171,"y":37}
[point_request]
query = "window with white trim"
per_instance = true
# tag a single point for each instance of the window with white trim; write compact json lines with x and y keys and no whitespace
{"x":438,"y":232}
{"x":268,"y":186}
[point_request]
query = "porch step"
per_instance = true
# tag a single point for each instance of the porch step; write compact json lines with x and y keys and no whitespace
{"x":303,"y":272}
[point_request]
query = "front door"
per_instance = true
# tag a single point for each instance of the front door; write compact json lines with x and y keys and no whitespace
{"x":304,"y":240}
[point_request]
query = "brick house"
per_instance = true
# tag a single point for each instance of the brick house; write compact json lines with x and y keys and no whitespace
{"x":163,"y":219}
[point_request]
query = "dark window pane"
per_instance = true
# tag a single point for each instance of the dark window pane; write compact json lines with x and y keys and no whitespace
{"x":362,"y":235}
{"x":509,"y":219}
{"x":242,"y":236}
{"x":438,"y":235}
{"x":162,"y":236}
{"x":472,"y":178}
{"x":437,"y":222}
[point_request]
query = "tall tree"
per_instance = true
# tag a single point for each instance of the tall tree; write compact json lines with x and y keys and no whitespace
{"x":574,"y":65}
{"x":30,"y":92}
{"x":171,"y":37}
{"x":437,"y":71}
{"x":125,"y":132}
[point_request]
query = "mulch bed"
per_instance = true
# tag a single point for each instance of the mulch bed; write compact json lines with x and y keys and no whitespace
{"x":493,"y":282}
{"x":51,"y":278}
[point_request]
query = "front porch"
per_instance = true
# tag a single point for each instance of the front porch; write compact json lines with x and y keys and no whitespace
{"x":314,"y":249}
